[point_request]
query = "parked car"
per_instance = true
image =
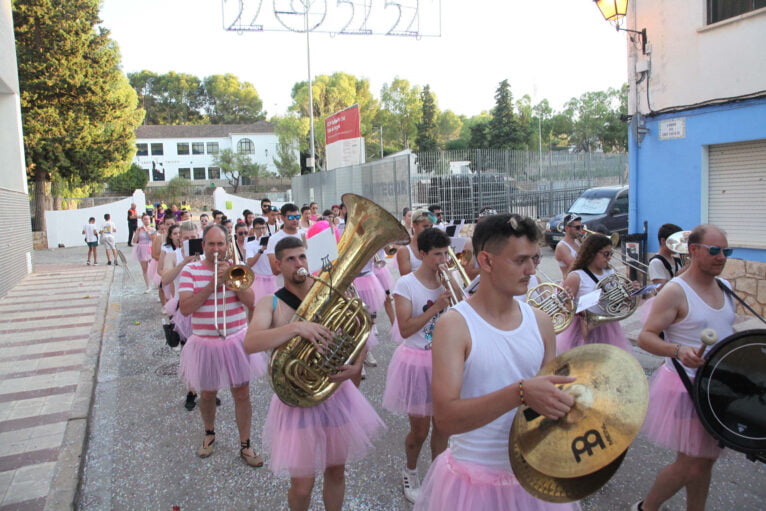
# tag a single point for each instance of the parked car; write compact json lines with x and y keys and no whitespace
{"x":603,"y":209}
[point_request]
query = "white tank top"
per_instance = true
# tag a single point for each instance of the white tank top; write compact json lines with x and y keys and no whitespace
{"x":179,"y":255}
{"x":587,"y":286}
{"x":572,"y":251}
{"x":497,"y":359}
{"x":414,"y":261}
{"x":700,"y":316}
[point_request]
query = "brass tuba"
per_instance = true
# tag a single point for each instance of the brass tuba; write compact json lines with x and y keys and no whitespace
{"x":616,"y":300}
{"x":299,"y":372}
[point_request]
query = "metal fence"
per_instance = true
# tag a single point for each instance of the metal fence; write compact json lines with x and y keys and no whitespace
{"x":464,"y":182}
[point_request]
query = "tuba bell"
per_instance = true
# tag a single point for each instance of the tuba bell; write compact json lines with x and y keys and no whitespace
{"x":299,"y":373}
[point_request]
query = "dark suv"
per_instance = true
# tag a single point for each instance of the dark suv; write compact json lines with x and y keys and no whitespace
{"x":602,"y":209}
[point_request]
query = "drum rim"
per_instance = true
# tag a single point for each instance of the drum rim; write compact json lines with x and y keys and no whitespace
{"x":705,"y":412}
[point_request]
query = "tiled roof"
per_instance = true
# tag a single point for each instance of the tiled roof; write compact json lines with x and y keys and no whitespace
{"x":201,"y":130}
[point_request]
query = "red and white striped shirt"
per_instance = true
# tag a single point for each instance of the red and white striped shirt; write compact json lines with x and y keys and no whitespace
{"x":195,"y":277}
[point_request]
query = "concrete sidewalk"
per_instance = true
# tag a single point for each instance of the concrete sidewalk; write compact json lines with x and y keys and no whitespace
{"x":50,"y":338}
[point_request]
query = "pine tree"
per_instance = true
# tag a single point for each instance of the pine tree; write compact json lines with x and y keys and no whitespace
{"x":427,"y":129}
{"x":79,"y":111}
{"x":503,"y":128}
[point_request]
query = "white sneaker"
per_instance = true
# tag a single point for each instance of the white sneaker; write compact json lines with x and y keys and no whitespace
{"x":375,"y":329}
{"x":364,"y":373}
{"x":637,"y":506}
{"x":369,"y":360}
{"x":148,"y":290}
{"x":410,"y":485}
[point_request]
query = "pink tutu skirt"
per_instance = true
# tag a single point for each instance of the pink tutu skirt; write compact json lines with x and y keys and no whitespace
{"x":370,"y":291}
{"x":453,"y":485}
{"x":211,"y":363}
{"x":372,"y":340}
{"x":151,"y":271}
{"x":384,"y":276}
{"x":142,"y":252}
{"x":606,"y":333}
{"x":408,"y":382}
{"x":672,"y":421}
{"x":263,"y":285}
{"x":303,"y":442}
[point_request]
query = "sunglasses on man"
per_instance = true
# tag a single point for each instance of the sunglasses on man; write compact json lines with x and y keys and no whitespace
{"x":293,"y":217}
{"x":714,"y":250}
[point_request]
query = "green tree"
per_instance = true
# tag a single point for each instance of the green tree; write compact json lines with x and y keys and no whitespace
{"x":285,"y":160}
{"x":480,"y":135}
{"x":229,"y":101}
{"x":596,"y":120}
{"x":135,"y":178}
{"x":448,"y":127}
{"x":504,"y":129}
{"x":171,"y":98}
{"x":79,"y":111}
{"x":426,"y":139}
{"x":401,"y":110}
{"x":236,"y":166}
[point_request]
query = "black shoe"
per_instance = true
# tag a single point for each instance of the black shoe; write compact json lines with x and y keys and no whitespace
{"x":116,"y":263}
{"x":217,"y":401}
{"x":109,"y":263}
{"x":190,"y":401}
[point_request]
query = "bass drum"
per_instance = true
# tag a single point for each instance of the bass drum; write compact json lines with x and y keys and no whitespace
{"x":730,"y":392}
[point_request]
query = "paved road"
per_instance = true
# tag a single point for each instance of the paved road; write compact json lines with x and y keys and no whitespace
{"x":141,"y":442}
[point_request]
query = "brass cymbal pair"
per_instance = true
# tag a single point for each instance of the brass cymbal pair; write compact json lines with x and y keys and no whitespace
{"x":568,"y":459}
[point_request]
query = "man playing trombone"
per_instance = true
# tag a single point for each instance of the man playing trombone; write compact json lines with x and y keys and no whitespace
{"x":213,"y":357}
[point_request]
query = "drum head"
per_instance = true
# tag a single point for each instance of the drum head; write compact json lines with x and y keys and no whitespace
{"x":730,"y":392}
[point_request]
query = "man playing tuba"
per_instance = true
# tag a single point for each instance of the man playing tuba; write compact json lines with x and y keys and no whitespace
{"x":305,"y":442}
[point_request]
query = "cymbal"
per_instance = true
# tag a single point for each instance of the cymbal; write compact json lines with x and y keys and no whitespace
{"x":559,"y":489}
{"x":611,"y":397}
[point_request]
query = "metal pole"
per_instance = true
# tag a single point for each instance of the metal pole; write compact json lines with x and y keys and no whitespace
{"x":310,"y":161}
{"x":540,"y":143}
{"x":381,"y":141}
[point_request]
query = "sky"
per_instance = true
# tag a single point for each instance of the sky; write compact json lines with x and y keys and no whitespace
{"x":554,"y":49}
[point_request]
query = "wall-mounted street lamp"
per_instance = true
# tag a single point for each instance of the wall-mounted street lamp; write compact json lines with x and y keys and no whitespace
{"x":613,"y":11}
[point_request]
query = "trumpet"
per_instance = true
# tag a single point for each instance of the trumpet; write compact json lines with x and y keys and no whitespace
{"x":456,"y":292}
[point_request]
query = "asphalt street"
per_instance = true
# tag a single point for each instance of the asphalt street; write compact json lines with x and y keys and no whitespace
{"x":141,"y":443}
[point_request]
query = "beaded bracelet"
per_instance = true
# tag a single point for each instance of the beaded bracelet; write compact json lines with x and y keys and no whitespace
{"x":521,"y":392}
{"x":678,"y":347}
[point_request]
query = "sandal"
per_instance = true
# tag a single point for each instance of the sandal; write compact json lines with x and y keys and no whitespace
{"x":206,"y":449}
{"x":253,"y":460}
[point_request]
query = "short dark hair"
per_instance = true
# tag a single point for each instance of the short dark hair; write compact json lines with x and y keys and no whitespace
{"x":259,"y":221}
{"x":666,"y":230}
{"x":326,"y":212}
{"x":434,"y":207}
{"x":240,"y":225}
{"x":93,"y":218}
{"x":287,"y":208}
{"x":107,"y":216}
{"x":215,"y":226}
{"x":493,"y":232}
{"x":246,"y":212}
{"x":216,"y":212}
{"x":286,"y":244}
{"x":205,"y":215}
{"x":430,"y":239}
{"x":305,"y":208}
{"x":265,"y":199}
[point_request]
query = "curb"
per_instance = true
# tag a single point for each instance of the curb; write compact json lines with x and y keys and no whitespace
{"x":64,"y":489}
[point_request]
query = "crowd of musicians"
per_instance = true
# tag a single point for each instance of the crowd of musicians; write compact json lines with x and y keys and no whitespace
{"x":463,"y":365}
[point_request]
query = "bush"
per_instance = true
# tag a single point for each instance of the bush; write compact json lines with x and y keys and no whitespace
{"x":135,"y":178}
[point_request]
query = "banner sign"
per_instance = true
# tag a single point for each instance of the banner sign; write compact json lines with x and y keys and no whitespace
{"x":343,"y":126}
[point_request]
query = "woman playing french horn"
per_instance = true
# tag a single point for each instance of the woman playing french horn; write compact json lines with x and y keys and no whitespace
{"x":591,"y":267}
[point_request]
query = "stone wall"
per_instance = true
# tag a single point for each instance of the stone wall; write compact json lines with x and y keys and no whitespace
{"x":749,"y":281}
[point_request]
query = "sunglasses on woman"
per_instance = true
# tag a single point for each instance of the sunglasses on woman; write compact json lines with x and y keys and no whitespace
{"x":714,"y":250}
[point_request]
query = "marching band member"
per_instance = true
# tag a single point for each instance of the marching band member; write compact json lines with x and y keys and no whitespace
{"x":290,"y":217}
{"x":420,"y":299}
{"x":663,"y":266}
{"x":305,"y":442}
{"x":264,"y":281}
{"x":486,"y":352}
{"x":684,"y":307}
{"x":568,"y":247}
{"x":142,"y":249}
{"x":407,"y":256}
{"x":210,"y":363}
{"x":590,"y":267}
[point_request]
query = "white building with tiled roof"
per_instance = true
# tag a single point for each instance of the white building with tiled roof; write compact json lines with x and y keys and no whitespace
{"x":167,"y":151}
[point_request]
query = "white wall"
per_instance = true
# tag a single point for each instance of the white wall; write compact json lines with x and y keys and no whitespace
{"x":65,"y":227}
{"x":222,"y":199}
{"x":693,"y":62}
{"x":12,"y":174}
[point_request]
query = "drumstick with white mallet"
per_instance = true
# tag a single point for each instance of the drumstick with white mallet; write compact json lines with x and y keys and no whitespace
{"x":708,"y":337}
